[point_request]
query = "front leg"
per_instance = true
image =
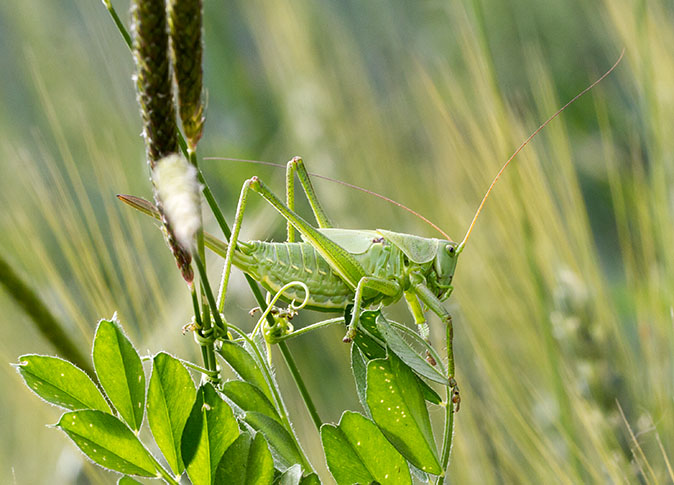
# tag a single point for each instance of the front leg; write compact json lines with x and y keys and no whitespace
{"x":233,"y":241}
{"x":435,"y":305}
{"x":381,"y":285}
{"x":418,"y":314}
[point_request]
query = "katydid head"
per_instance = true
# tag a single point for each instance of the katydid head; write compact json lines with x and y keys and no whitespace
{"x":434,"y":258}
{"x":444,"y":265}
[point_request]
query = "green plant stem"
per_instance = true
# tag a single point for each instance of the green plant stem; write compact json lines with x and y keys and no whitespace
{"x":277,"y":396}
{"x":195,"y":367}
{"x":208,"y":344}
{"x":220,"y":324}
{"x":448,"y":434}
{"x":198,"y":320}
{"x":195,"y":305}
{"x":46,"y":323}
{"x":309,"y":328}
{"x":201,"y":250}
{"x":166,"y":476}
{"x":295,"y":372}
{"x":118,"y":23}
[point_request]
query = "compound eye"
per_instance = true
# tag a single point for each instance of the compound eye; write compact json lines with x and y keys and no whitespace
{"x":450,"y":249}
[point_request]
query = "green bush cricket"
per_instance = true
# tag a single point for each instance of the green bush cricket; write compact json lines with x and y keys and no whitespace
{"x":343,"y":267}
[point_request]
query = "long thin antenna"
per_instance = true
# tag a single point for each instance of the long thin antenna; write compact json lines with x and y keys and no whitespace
{"x":319,"y":176}
{"x":526,"y":142}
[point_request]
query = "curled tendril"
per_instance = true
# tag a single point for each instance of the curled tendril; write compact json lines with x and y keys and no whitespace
{"x":293,"y":307}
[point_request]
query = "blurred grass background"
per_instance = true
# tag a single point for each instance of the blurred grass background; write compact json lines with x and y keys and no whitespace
{"x":563,"y":303}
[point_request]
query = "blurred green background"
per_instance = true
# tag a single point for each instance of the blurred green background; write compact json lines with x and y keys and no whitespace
{"x":563,"y":303}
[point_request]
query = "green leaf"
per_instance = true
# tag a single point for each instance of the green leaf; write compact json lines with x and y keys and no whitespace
{"x":120,"y":372}
{"x":59,"y":382}
{"x":247,"y":461}
{"x":127,"y":480}
{"x":368,"y":338}
{"x":249,"y":398}
{"x":283,"y":447}
{"x":108,"y":441}
{"x":429,"y":393}
{"x":398,"y":407}
{"x":170,"y":397}
{"x":291,"y":476}
{"x":359,"y":370}
{"x":356,"y":451}
{"x":209,"y":430}
{"x":407,"y":354}
{"x":244,"y":365}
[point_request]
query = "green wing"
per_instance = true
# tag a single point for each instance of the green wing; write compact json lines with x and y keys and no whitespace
{"x":418,"y":249}
{"x":353,"y":240}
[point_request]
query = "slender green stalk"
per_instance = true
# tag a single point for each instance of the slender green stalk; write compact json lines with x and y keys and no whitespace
{"x":447,"y":436}
{"x":201,"y":250}
{"x":448,"y":433}
{"x":165,"y":475}
{"x":192,"y":158}
{"x":277,"y":397}
{"x":199,"y":321}
{"x":118,"y":22}
{"x":47,"y":324}
{"x":309,"y":328}
{"x":295,"y":372}
{"x":221,"y":325}
{"x":207,"y":333}
{"x":193,"y":366}
{"x":195,"y":306}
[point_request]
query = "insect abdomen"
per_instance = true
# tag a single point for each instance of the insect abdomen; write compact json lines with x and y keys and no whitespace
{"x":276,"y":264}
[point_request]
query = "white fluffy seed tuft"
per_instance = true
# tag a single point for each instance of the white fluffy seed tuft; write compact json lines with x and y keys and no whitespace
{"x":178,"y":192}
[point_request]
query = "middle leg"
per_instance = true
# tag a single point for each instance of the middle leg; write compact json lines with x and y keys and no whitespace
{"x":381,"y":285}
